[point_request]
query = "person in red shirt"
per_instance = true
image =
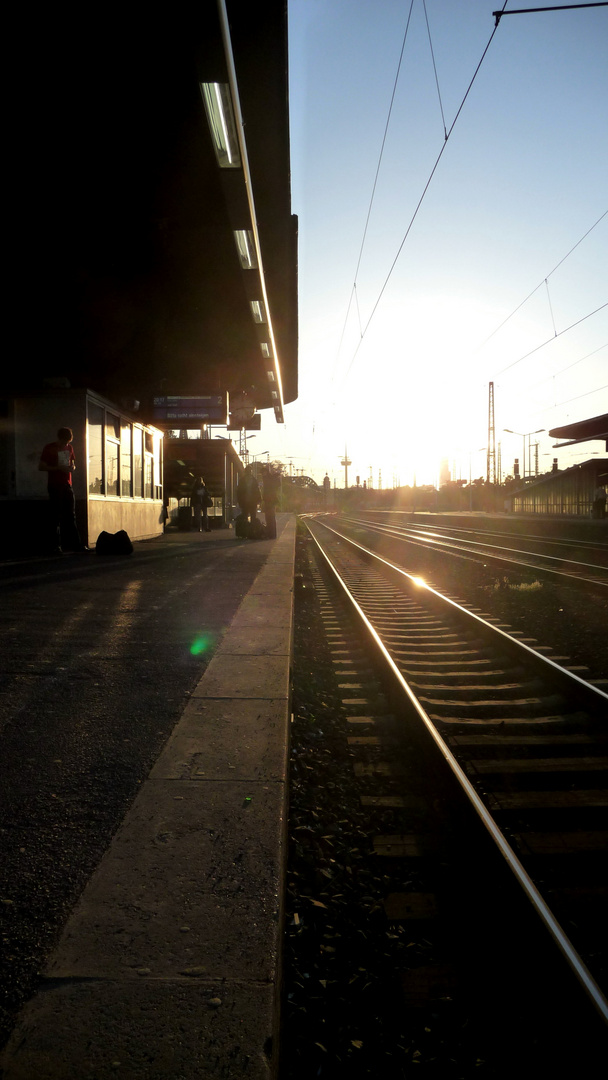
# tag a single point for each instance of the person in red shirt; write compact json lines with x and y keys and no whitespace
{"x":58,"y":461}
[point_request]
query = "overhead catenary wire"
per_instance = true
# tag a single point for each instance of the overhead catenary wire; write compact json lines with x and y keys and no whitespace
{"x":543,"y":282}
{"x":551,"y":307}
{"x":549,"y":340}
{"x":561,"y":371}
{"x":445,"y":130}
{"x":588,"y":393}
{"x":422,"y":197}
{"x":375,"y":184}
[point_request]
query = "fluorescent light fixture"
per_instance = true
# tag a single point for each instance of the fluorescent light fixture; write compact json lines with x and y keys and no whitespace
{"x":246,"y":248}
{"x":265,"y":347}
{"x":220,"y":116}
{"x":258,"y":311}
{"x":270,"y":375}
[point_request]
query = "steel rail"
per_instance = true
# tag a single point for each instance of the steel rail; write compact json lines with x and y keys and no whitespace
{"x":385,"y":527}
{"x":565,"y":676}
{"x":447,"y":542}
{"x":419,"y":523}
{"x":533,"y":537}
{"x":563,"y":943}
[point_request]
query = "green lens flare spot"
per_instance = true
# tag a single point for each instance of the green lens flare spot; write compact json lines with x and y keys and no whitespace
{"x":200,"y":645}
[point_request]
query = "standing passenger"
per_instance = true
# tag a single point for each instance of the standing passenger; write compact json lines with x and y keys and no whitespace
{"x":248,"y":494}
{"x":270,"y":497}
{"x":599,"y":502}
{"x":199,"y":501}
{"x":58,"y":461}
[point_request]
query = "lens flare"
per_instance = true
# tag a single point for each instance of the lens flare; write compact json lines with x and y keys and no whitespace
{"x":200,"y":645}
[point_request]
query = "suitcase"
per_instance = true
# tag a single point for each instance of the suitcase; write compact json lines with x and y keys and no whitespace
{"x":257,"y":530}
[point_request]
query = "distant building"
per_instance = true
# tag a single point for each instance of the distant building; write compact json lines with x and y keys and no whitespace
{"x":569,"y":493}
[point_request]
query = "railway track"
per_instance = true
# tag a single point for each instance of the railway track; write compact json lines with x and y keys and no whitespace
{"x":518,"y":735}
{"x":584,"y":561}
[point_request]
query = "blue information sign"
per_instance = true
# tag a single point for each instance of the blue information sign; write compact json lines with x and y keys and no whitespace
{"x":202,"y":407}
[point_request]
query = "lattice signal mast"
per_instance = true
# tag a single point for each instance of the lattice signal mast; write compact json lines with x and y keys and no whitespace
{"x":491,"y":458}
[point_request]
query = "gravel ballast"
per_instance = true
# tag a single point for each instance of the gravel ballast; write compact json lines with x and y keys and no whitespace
{"x":343,"y":999}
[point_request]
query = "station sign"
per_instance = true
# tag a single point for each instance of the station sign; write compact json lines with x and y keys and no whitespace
{"x":204,"y":408}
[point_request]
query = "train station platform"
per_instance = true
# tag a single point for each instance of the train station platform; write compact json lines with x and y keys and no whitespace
{"x":169,"y":966}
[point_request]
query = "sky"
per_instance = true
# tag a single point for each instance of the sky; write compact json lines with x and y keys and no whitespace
{"x":432,"y":266}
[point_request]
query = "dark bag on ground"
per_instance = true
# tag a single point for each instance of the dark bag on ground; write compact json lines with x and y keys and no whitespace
{"x":257,"y":530}
{"x":113,"y":543}
{"x":246,"y":530}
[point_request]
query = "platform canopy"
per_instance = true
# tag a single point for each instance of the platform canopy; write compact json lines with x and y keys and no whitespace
{"x":582,"y":431}
{"x":156,"y":249}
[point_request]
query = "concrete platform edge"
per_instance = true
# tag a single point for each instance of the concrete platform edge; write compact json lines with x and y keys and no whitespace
{"x":170,"y":965}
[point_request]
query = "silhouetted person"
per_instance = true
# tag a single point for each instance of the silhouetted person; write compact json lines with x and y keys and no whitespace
{"x":58,"y":461}
{"x":248,"y":494}
{"x":599,"y":502}
{"x":270,"y":496}
{"x":199,"y":501}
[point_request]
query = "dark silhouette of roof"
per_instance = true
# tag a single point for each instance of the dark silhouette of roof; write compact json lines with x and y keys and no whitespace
{"x":126,"y":263}
{"x":582,"y":431}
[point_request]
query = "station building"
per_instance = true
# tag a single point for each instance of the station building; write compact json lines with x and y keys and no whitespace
{"x":155,"y":260}
{"x":572,"y":492}
{"x":569,"y":493}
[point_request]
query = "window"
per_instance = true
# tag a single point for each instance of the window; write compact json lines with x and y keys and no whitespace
{"x":124,"y":459}
{"x":148,"y":471}
{"x":126,"y":480}
{"x":158,"y":489}
{"x":112,"y":485}
{"x":138,"y":462}
{"x":112,"y":426}
{"x":95,"y":425}
{"x":112,"y":447}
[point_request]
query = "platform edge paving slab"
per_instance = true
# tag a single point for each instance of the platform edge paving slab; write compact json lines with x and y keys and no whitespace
{"x":171,"y":961}
{"x":226,"y":739}
{"x":166,"y":1030}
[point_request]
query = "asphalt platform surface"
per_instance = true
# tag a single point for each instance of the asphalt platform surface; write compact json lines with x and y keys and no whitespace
{"x":144,"y":716}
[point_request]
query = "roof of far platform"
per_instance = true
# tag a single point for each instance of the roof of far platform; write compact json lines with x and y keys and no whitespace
{"x":582,"y":431}
{"x":130,"y":279}
{"x":598,"y":466}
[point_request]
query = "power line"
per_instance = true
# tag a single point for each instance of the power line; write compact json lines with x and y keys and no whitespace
{"x":577,"y":398}
{"x":445,"y":130}
{"x":559,"y":334}
{"x":543,"y":282}
{"x":421,"y":200}
{"x":371,"y":201}
{"x":555,"y":374}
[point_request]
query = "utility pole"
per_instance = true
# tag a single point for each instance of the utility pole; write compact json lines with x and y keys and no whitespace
{"x":345,"y":462}
{"x":491,"y":458}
